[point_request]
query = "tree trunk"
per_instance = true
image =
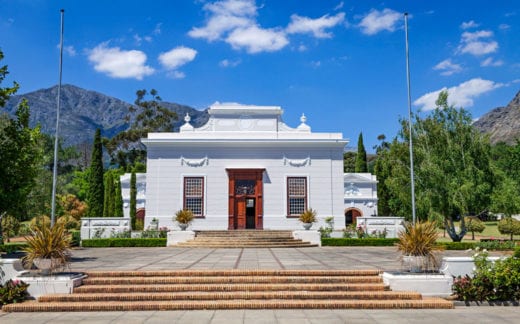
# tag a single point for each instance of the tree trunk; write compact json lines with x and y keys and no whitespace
{"x":450,"y":228}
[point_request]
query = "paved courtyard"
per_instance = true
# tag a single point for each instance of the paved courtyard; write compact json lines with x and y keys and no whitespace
{"x":384,"y":258}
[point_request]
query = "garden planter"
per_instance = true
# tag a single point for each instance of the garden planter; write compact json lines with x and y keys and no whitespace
{"x":307,"y":226}
{"x":415,"y":263}
{"x":183,"y":227}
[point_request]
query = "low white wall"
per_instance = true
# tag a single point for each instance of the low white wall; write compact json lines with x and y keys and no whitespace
{"x":176,"y":237}
{"x":106,"y":225}
{"x":393,"y":225}
{"x":312,"y":237}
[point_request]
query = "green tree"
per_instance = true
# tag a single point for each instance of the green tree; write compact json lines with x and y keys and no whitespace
{"x":20,"y":155}
{"x":118,"y":204}
{"x":10,"y":226}
{"x":125,"y":148}
{"x":453,"y":173}
{"x":349,"y":162}
{"x":473,"y":224}
{"x":133,"y":199}
{"x":361,"y":157}
{"x":505,"y":199}
{"x":95,"y":194}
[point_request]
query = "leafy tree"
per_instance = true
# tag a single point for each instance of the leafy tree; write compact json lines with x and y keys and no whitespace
{"x":473,"y":224}
{"x":349,"y":162}
{"x":72,"y":206}
{"x":124,"y":148}
{"x":453,"y":174}
{"x":361,"y":157}
{"x":20,"y":155}
{"x":118,"y":204}
{"x":133,"y":199}
{"x":95,"y":194}
{"x":10,"y":226}
{"x":505,"y":199}
{"x":509,"y":225}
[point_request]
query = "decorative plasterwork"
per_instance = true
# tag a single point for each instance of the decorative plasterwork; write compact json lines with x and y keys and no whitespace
{"x":297,"y":163}
{"x":352,"y":190}
{"x":194,"y":163}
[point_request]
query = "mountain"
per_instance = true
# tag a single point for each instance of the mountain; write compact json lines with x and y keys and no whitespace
{"x":82,"y":111}
{"x":502,"y":123}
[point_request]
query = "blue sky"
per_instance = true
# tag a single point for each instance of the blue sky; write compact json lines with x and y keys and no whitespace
{"x":342,"y":63}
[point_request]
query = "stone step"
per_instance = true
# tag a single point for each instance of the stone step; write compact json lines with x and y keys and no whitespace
{"x":239,"y":246}
{"x":146,"y":305}
{"x":228,"y":279}
{"x":233,"y":272}
{"x":230,"y":295}
{"x":230,"y":287}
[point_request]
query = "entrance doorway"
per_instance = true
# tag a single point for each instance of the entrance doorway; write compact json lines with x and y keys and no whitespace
{"x":245,"y":198}
{"x":350,"y":216}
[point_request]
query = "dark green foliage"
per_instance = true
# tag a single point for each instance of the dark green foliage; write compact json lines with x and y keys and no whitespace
{"x":13,"y":292}
{"x":498,"y":281}
{"x":109,"y":200}
{"x":75,"y":238}
{"x":499,"y":245}
{"x":361,"y":157}
{"x":118,"y":203}
{"x":473,"y":224}
{"x":125,"y":149}
{"x":457,"y":245}
{"x":125,"y":242}
{"x":13,"y":247}
{"x":95,"y":195}
{"x":359,"y":242}
{"x":516,"y":252}
{"x":509,"y":225}
{"x":349,"y":162}
{"x":133,"y":199}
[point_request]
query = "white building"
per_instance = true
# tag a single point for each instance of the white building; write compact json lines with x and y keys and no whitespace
{"x":360,"y":196}
{"x":140,"y":183}
{"x":245,"y":169}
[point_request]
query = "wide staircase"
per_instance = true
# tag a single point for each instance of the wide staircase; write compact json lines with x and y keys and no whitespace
{"x":229,"y":289}
{"x":245,"y":239}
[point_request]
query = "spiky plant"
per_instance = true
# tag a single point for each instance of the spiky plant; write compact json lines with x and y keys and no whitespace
{"x":419,"y":240}
{"x":48,"y":243}
{"x":184,"y":216}
{"x":308,"y":216}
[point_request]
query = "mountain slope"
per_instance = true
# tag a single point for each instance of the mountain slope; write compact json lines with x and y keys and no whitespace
{"x":82,"y":111}
{"x":502,"y":123}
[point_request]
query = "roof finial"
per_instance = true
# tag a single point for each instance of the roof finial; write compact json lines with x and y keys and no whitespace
{"x":303,"y":119}
{"x":187,"y":118}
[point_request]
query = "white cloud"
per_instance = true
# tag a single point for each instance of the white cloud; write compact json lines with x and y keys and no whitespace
{"x":255,"y":39}
{"x":229,"y":63}
{"x":177,"y":57}
{"x":316,"y":27}
{"x":225,"y":16}
{"x":447,"y":67}
{"x":339,"y":5}
{"x":176,"y":75}
{"x":117,"y":63}
{"x":302,"y":48}
{"x":504,"y":26}
{"x":462,"y":95}
{"x":477,"y":43}
{"x":376,"y":21}
{"x":469,"y":24}
{"x":491,"y":62}
{"x":157,"y":29}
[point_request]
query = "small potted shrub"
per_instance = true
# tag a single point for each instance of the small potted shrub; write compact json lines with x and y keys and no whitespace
{"x":417,"y":245}
{"x":48,"y":248}
{"x":184,"y":217}
{"x":308,"y":217}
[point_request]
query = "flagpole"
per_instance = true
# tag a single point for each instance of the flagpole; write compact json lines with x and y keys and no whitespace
{"x":56,"y":135}
{"x":412,"y":176}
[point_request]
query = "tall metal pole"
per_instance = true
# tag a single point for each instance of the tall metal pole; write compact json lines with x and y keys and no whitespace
{"x":56,"y":135}
{"x":412,"y":176}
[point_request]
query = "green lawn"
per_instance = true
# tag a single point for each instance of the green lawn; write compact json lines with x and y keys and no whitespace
{"x":490,"y":231}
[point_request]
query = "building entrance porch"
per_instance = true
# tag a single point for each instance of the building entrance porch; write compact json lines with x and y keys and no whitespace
{"x":245,"y":199}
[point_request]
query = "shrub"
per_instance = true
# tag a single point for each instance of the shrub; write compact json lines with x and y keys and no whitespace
{"x":39,"y":222}
{"x":75,"y":238}
{"x":491,"y":281}
{"x":10,"y":227}
{"x":69,"y":222}
{"x":12,"y":247}
{"x":308,"y":216}
{"x":326,"y":231}
{"x":473,"y":224}
{"x":418,"y":239}
{"x":457,"y":245}
{"x":13,"y":292}
{"x":358,"y":242}
{"x":516,"y":252}
{"x":496,"y":245}
{"x":509,"y":225}
{"x":125,"y":242}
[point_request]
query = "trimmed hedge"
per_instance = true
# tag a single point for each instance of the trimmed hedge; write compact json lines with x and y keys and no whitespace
{"x":125,"y":242}
{"x":358,"y":242}
{"x":12,"y":247}
{"x":457,"y":245}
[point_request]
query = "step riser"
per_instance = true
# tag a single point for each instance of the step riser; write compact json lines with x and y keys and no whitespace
{"x":234,"y":272}
{"x":230,"y":296}
{"x":228,"y":280}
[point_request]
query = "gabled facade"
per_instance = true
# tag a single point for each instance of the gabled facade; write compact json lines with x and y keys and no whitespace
{"x":244,"y":169}
{"x":360,"y":196}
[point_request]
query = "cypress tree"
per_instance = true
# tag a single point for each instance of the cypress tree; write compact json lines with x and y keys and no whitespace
{"x":96,"y":190}
{"x":361,"y":158}
{"x":118,"y":203}
{"x":108,"y":210}
{"x":133,"y":199}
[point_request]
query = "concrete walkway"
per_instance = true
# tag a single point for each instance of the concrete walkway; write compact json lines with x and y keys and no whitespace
{"x":384,"y":258}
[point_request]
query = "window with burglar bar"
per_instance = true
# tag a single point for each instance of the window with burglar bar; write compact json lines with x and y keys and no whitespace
{"x":194,"y":195}
{"x":296,"y":195}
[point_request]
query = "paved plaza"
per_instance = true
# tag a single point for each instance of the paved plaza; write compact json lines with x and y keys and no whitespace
{"x":383,"y":258}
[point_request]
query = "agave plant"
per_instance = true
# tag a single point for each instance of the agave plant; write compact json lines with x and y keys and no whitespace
{"x":184,"y":217}
{"x":48,"y":243}
{"x":417,"y":243}
{"x":308,"y":216}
